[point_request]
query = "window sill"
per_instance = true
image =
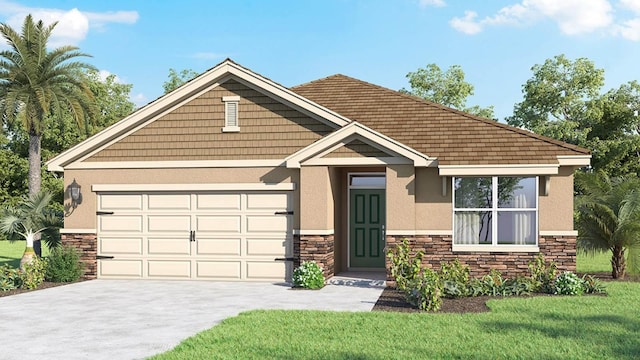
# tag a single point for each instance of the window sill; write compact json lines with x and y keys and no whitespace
{"x":231,"y":129}
{"x":497,"y":248}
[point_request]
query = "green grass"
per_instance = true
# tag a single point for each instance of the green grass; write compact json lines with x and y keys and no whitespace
{"x":545,"y":327}
{"x":599,"y":262}
{"x":11,"y":252}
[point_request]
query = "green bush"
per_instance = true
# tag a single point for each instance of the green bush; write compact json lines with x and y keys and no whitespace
{"x":64,"y":264}
{"x":33,"y":273}
{"x":308,"y":275}
{"x":404,"y":268}
{"x":455,"y":279}
{"x":10,"y":278}
{"x":592,"y":285}
{"x":568,"y":283}
{"x":425,"y":291}
{"x":543,"y":274}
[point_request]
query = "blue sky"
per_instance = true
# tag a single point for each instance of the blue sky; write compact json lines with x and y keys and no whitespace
{"x":496,"y":42}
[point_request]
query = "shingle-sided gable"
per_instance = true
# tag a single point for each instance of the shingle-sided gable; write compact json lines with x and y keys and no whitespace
{"x":269,"y":130}
{"x":455,"y":138}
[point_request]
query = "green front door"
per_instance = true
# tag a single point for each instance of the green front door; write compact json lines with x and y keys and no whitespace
{"x":366,"y":228}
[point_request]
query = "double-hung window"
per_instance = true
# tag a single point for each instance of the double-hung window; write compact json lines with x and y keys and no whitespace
{"x":495,"y":213}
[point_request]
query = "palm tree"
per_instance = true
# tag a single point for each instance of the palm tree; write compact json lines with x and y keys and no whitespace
{"x":36,"y":83}
{"x":29,"y":219}
{"x":609,"y":218}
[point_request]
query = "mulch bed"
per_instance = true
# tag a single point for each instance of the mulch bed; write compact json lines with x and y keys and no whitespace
{"x":44,"y":285}
{"x":392,"y":299}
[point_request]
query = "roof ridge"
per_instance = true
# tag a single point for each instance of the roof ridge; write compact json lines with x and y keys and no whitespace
{"x":462,"y":113}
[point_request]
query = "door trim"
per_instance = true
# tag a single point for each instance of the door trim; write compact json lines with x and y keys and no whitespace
{"x":349,"y":187}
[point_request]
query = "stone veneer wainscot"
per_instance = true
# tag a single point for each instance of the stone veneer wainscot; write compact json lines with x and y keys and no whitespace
{"x":87,"y":244}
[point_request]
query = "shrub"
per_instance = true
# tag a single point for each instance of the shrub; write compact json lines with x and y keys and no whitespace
{"x":33,"y":273}
{"x":518,"y":286}
{"x":64,"y":265}
{"x":493,"y":283}
{"x":455,"y":279}
{"x":308,"y":275}
{"x":542,"y":274}
{"x":568,"y":283}
{"x":592,"y":285}
{"x":10,"y":278}
{"x":405,"y":269}
{"x":425,"y":291}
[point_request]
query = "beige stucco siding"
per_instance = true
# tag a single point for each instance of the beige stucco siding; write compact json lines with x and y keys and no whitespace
{"x":556,"y":209}
{"x":401,"y":193}
{"x":316,"y":199}
{"x":268,"y":130}
{"x":433,"y":210}
{"x":84,"y":216}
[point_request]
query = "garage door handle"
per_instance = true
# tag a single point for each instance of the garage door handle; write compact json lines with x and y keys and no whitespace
{"x":192,"y":236}
{"x":284,"y":213}
{"x":104,"y":212}
{"x":284,"y":259}
{"x":101,"y":257}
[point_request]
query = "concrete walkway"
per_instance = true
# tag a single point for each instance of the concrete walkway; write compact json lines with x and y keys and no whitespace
{"x":122,"y":319}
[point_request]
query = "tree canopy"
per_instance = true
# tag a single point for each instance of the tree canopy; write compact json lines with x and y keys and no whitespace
{"x":448,"y":88}
{"x":176,"y":79}
{"x":564,"y":100}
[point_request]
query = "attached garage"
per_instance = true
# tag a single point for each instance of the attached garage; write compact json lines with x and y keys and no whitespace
{"x":210,"y":235}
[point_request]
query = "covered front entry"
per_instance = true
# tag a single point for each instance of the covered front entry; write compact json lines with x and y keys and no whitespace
{"x":367,"y":209}
{"x":216,"y":235}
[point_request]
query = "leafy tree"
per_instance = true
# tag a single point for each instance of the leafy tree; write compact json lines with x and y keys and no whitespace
{"x":447,"y":88}
{"x":609,"y":217}
{"x":563,"y":100}
{"x":29,"y":219}
{"x":176,"y":79}
{"x":36,"y":82}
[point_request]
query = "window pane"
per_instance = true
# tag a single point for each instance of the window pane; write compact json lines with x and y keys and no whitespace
{"x":517,"y":227}
{"x":472,"y":227}
{"x":517,"y":192}
{"x":472,"y":193}
{"x":364,"y":180}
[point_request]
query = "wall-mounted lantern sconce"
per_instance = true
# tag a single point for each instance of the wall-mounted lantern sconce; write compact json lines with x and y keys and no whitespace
{"x":75,"y":193}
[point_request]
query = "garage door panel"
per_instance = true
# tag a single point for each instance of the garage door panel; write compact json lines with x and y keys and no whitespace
{"x":120,"y":223}
{"x":260,"y":247}
{"x":121,"y":245}
{"x":169,"y":269}
{"x":169,"y":202}
{"x":218,"y":223}
{"x":169,"y":223}
{"x":121,"y":202}
{"x":120,"y":268}
{"x":218,"y":246}
{"x":267,"y":201}
{"x":267,"y":224}
{"x":169,"y":246}
{"x":263,"y":270}
{"x":229,"y":270}
{"x":218,"y":201}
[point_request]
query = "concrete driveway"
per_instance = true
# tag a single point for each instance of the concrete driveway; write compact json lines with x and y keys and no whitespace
{"x":122,"y":319}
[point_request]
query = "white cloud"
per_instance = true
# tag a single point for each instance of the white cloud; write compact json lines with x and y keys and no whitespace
{"x":104,"y":74}
{"x":467,"y":24}
{"x":73,"y":25}
{"x":207,"y":56}
{"x":633,"y":5}
{"x":629,"y":29}
{"x":436,"y":3}
{"x":139,"y":99}
{"x":573,"y":17}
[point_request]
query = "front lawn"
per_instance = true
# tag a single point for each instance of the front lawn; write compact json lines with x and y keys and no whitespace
{"x":548,"y":327}
{"x":599,"y":262}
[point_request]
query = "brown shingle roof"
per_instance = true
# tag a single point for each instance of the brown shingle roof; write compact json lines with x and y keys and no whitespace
{"x":454,"y":137}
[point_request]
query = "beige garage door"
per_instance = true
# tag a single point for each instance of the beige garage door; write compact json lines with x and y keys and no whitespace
{"x":204,"y":235}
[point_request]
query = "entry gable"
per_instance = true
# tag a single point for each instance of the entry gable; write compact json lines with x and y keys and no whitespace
{"x":376,"y":149}
{"x":173,"y":106}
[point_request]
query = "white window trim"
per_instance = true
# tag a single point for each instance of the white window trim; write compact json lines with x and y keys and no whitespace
{"x":494,"y":246}
{"x":227,"y":101}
